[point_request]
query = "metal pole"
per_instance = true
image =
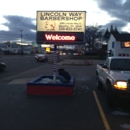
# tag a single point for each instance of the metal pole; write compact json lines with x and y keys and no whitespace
{"x":58,"y":53}
{"x":21,"y":43}
{"x":55,"y":63}
{"x":21,"y":35}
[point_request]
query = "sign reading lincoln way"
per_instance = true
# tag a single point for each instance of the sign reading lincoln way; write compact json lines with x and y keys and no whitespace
{"x":61,"y":27}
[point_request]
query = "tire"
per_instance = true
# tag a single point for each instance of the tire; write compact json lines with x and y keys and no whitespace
{"x":99,"y":84}
{"x":2,"y":68}
{"x":111,"y":99}
{"x":37,"y":60}
{"x":46,"y":60}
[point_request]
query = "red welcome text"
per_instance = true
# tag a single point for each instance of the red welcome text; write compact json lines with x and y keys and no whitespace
{"x":59,"y":37}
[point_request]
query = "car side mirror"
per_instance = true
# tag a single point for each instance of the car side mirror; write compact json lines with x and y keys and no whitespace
{"x":105,"y":66}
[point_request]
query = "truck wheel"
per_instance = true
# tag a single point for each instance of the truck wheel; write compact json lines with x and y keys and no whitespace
{"x":47,"y":60}
{"x":2,"y":68}
{"x":111,"y":99}
{"x":99,"y":84}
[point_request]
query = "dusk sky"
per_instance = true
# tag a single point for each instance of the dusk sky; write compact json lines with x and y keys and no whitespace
{"x":21,"y":15}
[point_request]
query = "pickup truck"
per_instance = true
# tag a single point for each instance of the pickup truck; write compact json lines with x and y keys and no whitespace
{"x":114,"y":76}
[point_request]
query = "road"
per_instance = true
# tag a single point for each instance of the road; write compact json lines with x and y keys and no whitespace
{"x":88,"y":106}
{"x":18,"y":64}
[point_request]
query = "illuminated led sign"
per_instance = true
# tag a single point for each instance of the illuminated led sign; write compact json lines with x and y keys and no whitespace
{"x":68,"y":38}
{"x":48,"y":49}
{"x":61,"y":26}
{"x":125,"y":44}
{"x":59,"y":37}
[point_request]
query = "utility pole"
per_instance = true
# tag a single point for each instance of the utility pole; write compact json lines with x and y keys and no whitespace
{"x":21,"y":42}
{"x":21,"y":35}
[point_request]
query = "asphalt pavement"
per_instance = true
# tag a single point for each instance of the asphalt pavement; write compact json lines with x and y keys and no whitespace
{"x":19,"y":111}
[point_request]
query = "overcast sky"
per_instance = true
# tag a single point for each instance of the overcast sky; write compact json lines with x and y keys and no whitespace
{"x":21,"y":15}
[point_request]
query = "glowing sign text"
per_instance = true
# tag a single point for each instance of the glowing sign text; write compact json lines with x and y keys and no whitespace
{"x":59,"y":37}
{"x":126,"y":44}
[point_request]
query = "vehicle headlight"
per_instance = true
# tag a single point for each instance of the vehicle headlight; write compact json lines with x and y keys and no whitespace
{"x":121,"y":85}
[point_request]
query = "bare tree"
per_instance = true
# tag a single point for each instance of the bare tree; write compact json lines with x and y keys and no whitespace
{"x":93,"y":33}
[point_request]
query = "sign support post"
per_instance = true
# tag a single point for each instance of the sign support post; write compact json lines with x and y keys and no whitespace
{"x":55,"y":63}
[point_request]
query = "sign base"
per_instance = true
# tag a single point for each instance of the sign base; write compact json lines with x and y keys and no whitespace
{"x":35,"y":87}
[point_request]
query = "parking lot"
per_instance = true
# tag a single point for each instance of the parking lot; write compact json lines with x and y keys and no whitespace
{"x":86,"y":109}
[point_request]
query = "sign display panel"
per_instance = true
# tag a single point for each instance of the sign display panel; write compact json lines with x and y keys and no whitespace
{"x":64,"y":26}
{"x":60,"y":37}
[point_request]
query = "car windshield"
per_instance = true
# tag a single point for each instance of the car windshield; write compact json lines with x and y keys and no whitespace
{"x":40,"y":55}
{"x":120,"y":64}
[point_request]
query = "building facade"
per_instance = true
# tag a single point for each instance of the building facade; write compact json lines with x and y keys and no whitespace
{"x":119,"y":45}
